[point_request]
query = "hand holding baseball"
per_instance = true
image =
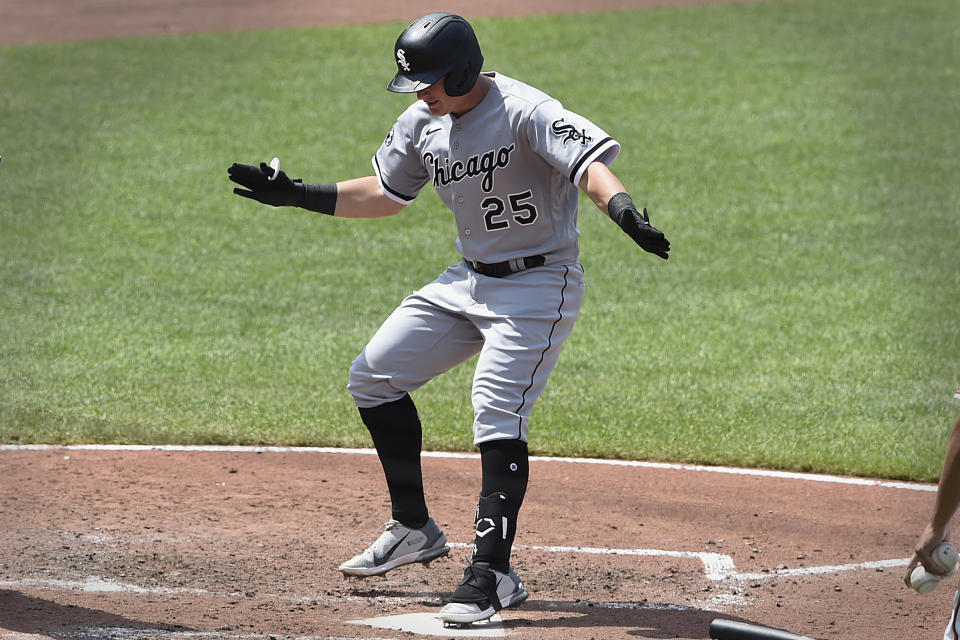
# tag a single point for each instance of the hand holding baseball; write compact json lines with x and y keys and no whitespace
{"x":942,"y":562}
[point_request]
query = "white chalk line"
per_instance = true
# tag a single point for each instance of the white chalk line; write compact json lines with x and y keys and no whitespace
{"x":96,"y":584}
{"x":717,"y":567}
{"x":765,"y":473}
{"x":829,"y":570}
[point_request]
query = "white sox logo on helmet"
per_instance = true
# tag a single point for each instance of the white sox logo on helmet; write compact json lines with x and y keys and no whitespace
{"x":402,"y":60}
{"x":570,"y":133}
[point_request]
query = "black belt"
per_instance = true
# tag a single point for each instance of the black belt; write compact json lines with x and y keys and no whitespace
{"x":505,"y":268}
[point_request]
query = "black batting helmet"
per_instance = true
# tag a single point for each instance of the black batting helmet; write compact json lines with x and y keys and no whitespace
{"x":434,"y":46}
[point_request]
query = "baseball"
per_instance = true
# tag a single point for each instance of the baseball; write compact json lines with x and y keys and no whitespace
{"x":922,"y":581}
{"x":275,"y":165}
{"x":944,"y":559}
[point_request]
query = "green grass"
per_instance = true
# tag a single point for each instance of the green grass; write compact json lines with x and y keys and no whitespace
{"x":801,"y":157}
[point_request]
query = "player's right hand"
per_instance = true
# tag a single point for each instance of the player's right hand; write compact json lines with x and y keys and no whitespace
{"x":929,"y":540}
{"x":280,"y":192}
{"x":637,"y":226}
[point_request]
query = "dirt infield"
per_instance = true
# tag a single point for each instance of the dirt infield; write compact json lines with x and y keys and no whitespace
{"x":245,"y":544}
{"x":235,"y":544}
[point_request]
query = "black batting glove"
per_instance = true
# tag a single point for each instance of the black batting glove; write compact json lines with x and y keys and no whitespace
{"x":279,"y":192}
{"x":636,"y":224}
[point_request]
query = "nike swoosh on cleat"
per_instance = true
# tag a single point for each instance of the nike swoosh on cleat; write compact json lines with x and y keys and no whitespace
{"x":394,"y":547}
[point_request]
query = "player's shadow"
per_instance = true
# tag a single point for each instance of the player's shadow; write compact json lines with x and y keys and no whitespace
{"x":27,"y":614}
{"x":641,"y":621}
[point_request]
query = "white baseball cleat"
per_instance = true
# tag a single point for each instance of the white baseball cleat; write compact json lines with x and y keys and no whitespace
{"x":482,"y":593}
{"x":398,"y":545}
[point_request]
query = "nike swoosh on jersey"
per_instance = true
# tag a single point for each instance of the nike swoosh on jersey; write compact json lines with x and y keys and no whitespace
{"x":429,"y":131}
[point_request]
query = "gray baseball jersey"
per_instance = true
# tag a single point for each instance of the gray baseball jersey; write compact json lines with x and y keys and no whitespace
{"x":509,"y":170}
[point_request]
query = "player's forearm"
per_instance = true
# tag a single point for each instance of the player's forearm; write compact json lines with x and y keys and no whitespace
{"x":362,"y":198}
{"x":948,"y":493}
{"x":611,"y":197}
{"x":600,"y":184}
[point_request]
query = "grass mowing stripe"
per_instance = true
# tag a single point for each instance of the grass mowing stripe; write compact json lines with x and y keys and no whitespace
{"x":800,"y":156}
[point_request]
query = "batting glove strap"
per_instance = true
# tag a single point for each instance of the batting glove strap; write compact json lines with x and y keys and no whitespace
{"x":618,"y":205}
{"x":321,"y":198}
{"x":479,"y":585}
{"x":637,"y":225}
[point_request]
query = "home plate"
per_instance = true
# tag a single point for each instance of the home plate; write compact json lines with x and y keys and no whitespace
{"x":427,"y":624}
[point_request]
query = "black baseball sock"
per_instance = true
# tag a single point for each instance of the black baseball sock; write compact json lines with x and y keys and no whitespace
{"x":506,"y":469}
{"x":397,"y":436}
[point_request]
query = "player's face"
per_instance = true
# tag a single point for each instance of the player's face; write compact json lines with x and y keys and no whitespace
{"x":439,"y":103}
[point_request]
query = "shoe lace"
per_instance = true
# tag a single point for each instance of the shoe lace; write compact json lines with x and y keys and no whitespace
{"x":391,"y":525}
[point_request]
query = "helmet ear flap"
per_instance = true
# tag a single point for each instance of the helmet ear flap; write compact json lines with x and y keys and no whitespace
{"x":462,"y":78}
{"x":458,"y":81}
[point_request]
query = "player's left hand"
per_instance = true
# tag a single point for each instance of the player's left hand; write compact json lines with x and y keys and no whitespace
{"x":279,"y":192}
{"x":637,"y":225}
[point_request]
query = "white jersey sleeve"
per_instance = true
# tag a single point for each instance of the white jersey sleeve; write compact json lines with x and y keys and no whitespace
{"x":398,"y":165}
{"x":568,"y":141}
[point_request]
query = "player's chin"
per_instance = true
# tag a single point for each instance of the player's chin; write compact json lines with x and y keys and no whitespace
{"x":437,"y":108}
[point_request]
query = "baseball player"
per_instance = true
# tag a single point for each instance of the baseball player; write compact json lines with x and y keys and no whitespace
{"x":508,"y":160}
{"x":937,"y":530}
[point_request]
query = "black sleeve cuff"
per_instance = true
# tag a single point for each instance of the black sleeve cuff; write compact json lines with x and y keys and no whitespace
{"x":321,"y":198}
